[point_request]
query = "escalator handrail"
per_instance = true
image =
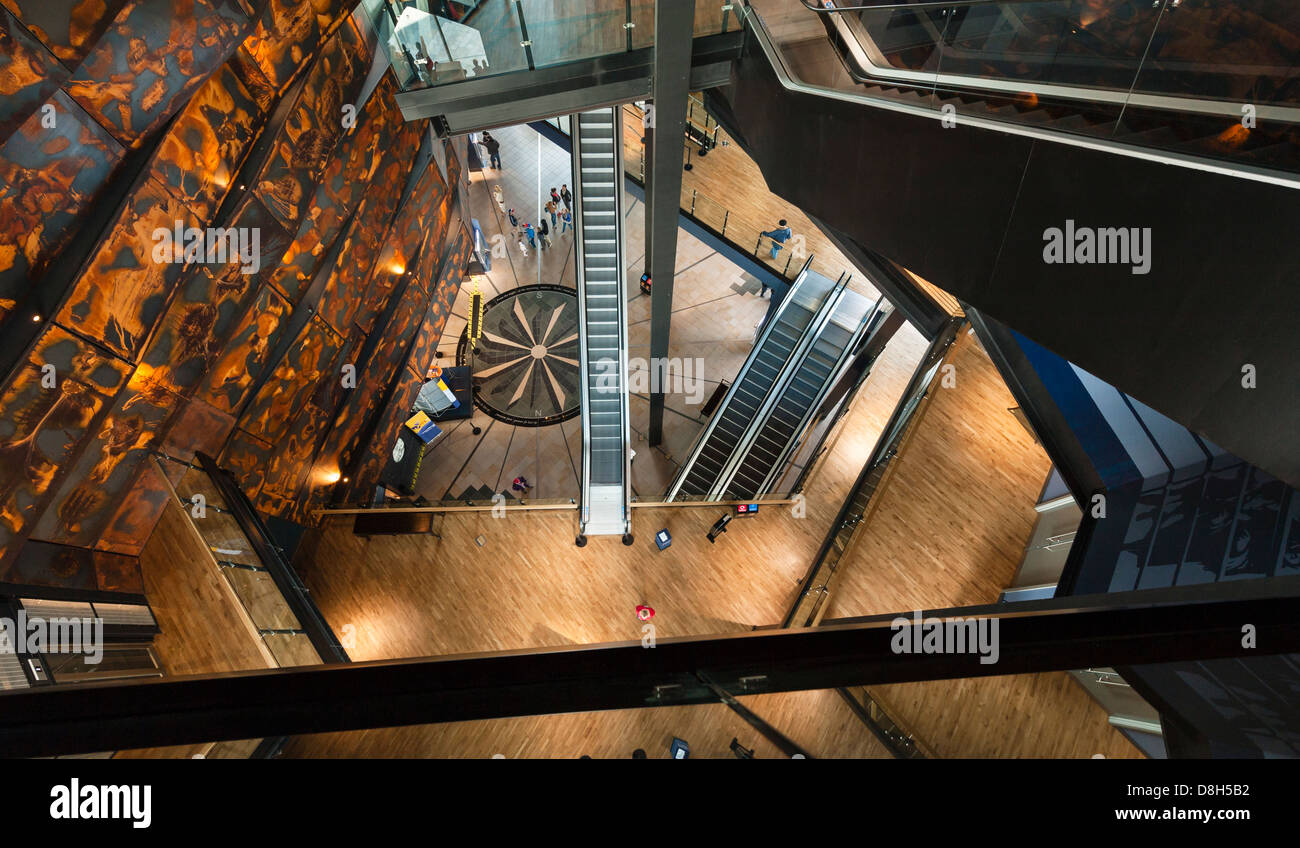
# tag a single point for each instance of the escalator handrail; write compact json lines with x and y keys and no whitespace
{"x":875,"y":73}
{"x":698,"y":447}
{"x":1235,"y":170}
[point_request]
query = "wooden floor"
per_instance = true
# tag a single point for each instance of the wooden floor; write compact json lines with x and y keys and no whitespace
{"x":204,"y":628}
{"x":949,"y":529}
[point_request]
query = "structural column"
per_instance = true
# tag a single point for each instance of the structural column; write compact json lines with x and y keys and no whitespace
{"x":674,"y":26}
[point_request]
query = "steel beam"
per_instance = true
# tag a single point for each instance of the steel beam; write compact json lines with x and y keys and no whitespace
{"x":1154,"y":626}
{"x":674,"y":23}
{"x":514,"y":98}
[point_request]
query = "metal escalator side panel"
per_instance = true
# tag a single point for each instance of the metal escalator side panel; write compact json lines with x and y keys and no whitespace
{"x":675,"y":489}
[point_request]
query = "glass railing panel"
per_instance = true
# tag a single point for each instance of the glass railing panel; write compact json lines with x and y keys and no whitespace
{"x":713,"y":17}
{"x":1098,"y":44}
{"x":642,"y":16}
{"x":907,"y":39}
{"x":427,"y":49}
{"x":261,"y":598}
{"x":568,"y":30}
{"x":1246,"y":52}
{"x":290,"y":649}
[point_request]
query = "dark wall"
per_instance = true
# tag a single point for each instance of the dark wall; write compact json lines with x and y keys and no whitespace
{"x":967,"y":208}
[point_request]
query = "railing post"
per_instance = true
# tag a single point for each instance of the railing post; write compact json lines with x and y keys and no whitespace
{"x":692,"y":202}
{"x":725,"y":216}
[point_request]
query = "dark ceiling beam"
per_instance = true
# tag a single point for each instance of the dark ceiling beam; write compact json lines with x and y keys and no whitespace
{"x":516,"y":98}
{"x":1153,"y":626}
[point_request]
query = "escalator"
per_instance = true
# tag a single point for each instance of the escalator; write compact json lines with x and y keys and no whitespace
{"x":973,"y":185}
{"x":779,"y":346}
{"x":598,"y":220}
{"x":823,"y":360}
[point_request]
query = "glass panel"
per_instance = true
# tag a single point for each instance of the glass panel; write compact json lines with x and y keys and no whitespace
{"x":643,"y":16}
{"x":568,"y":30}
{"x":261,"y":598}
{"x":1245,"y":51}
{"x":290,"y":649}
{"x":432,"y":49}
{"x":1097,"y":44}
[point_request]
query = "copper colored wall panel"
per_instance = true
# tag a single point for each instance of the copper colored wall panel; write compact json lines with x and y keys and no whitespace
{"x":339,"y":192}
{"x":43,"y":429}
{"x":100,"y":477}
{"x":67,"y":28}
{"x":292,"y":382}
{"x":303,"y":144}
{"x":48,"y":177}
{"x":355,"y":282}
{"x":29,"y":74}
{"x":120,"y":297}
{"x":152,"y":59}
{"x":287,"y":31}
{"x":138,"y":513}
{"x":247,"y":457}
{"x":201,"y":317}
{"x":200,"y":156}
{"x":64,"y":567}
{"x":247,"y":354}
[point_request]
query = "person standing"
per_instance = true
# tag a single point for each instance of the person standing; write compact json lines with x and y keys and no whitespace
{"x":551,"y":206}
{"x":514,"y":219}
{"x":500,"y":197}
{"x":523,"y":245}
{"x":566,"y":196}
{"x":779,"y":236}
{"x":532,"y":235}
{"x":521,"y":484}
{"x":566,"y":221}
{"x":493,"y":148}
{"x":544,"y":233}
{"x":555,"y":195}
{"x":644,"y":612}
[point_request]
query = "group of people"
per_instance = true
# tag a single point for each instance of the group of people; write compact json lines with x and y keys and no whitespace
{"x":557,"y":217}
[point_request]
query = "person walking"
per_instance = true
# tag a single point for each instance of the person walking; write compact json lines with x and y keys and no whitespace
{"x":514,"y":220}
{"x":779,"y":236}
{"x":544,"y":233}
{"x":493,"y":148}
{"x":566,"y":221}
{"x":500,"y":197}
{"x":644,"y":612}
{"x":555,"y":195}
{"x":523,"y":245}
{"x":566,"y":196}
{"x":532,"y":235}
{"x":521,"y":484}
{"x":551,"y":206}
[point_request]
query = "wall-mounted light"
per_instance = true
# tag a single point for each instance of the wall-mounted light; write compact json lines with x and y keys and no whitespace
{"x":36,"y":318}
{"x":332,"y":477}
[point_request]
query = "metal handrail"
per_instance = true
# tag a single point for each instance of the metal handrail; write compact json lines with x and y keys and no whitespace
{"x":866,"y":67}
{"x":788,"y":81}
